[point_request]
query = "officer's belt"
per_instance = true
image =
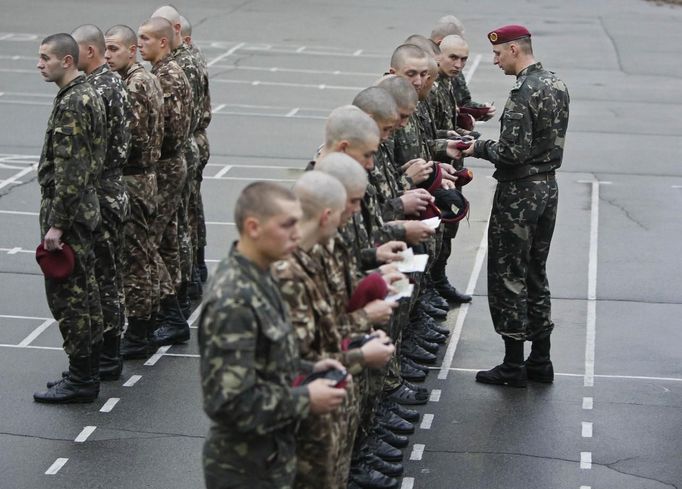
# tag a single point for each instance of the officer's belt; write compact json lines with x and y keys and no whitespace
{"x":130,"y":170}
{"x":538,"y":177}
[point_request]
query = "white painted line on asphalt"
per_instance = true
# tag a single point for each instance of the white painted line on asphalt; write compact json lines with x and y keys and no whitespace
{"x":358,"y":52}
{"x":585,"y":460}
{"x":35,"y":333}
{"x":250,"y":179}
{"x":272,"y":116}
{"x":223,"y":171}
{"x":219,"y":223}
{"x":256,"y":83}
{"x":262,"y":167}
{"x":427,"y":420}
{"x":218,"y":108}
{"x":17,"y":176}
{"x":195,"y":315}
{"x":32,"y":347}
{"x":586,"y":429}
{"x":16,"y":182}
{"x":132,"y":380}
{"x":14,"y":250}
{"x":408,"y":483}
{"x":464,"y":308}
{"x":20,"y":213}
{"x":56,"y":466}
{"x":109,"y":405}
{"x":585,"y":487}
{"x":435,"y":395}
{"x":157,"y":356}
{"x":301,"y":49}
{"x":588,"y":403}
{"x":417,"y":451}
{"x":591,"y":326}
{"x":562,"y":374}
{"x":677,"y":186}
{"x":87,"y":431}
{"x":474,"y":65}
{"x":292,"y":112}
{"x":8,"y":316}
{"x":181,"y":355}
{"x":227,"y":53}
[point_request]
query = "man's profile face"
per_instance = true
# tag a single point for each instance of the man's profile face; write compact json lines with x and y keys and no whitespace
{"x":148,"y":44}
{"x":504,"y":58}
{"x":330,"y":228}
{"x":453,"y":60}
{"x":405,"y":113}
{"x":278,"y":235}
{"x":353,"y":204}
{"x":364,"y":152}
{"x":50,"y":66}
{"x":415,"y":70}
{"x":117,"y":54}
{"x":425,"y":89}
{"x":386,"y":127}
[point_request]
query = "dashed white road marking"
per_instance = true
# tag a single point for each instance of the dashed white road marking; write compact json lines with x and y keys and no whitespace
{"x":20,"y":213}
{"x":435,"y":395}
{"x":182,"y":355}
{"x":417,"y":451}
{"x":109,"y":405}
{"x":87,"y":431}
{"x":132,"y":380}
{"x":472,"y":69}
{"x":358,"y":52}
{"x":157,"y":356}
{"x":585,"y":460}
{"x":218,"y":108}
{"x":427,"y":421}
{"x":408,"y":483}
{"x":591,"y":323}
{"x":588,"y":403}
{"x":18,"y":175}
{"x":56,"y":466}
{"x":219,"y":223}
{"x":585,"y":487}
{"x":14,"y":250}
{"x":227,"y":53}
{"x":301,"y":49}
{"x":223,"y":171}
{"x":586,"y":429}
{"x":36,"y":332}
{"x":195,"y":315}
{"x":292,"y":112}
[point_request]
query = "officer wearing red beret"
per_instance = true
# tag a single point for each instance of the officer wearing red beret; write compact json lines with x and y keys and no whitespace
{"x":529,"y":150}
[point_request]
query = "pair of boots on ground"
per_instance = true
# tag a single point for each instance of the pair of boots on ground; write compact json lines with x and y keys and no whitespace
{"x":514,"y":371}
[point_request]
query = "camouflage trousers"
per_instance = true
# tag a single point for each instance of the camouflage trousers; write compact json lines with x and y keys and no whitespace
{"x":237,"y":461}
{"x":521,"y":227}
{"x":74,"y":303}
{"x":204,"y":154}
{"x":399,"y":322}
{"x":351,"y":412}
{"x":185,"y":240}
{"x":170,"y":177}
{"x":108,"y":247}
{"x":138,"y":276}
{"x":318,"y":450}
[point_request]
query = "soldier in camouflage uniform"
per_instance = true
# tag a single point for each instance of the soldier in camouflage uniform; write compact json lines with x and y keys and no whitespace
{"x":249,"y":353}
{"x":530,"y":149}
{"x":139,"y":175}
{"x":191,"y":67}
{"x":72,"y":158}
{"x":154,"y":40}
{"x":197,"y":219}
{"x":113,"y":197}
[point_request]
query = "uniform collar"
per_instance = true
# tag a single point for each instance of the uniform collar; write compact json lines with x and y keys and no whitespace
{"x":530,"y":69}
{"x":133,"y":68}
{"x":76,"y":81}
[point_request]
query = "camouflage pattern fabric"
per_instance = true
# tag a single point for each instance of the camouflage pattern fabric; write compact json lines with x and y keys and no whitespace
{"x":460,"y":91}
{"x":249,"y":357}
{"x":530,"y":148}
{"x":409,"y":142}
{"x":139,"y":172}
{"x":379,"y":231}
{"x":383,"y":179}
{"x":171,"y":170}
{"x":72,"y":157}
{"x":443,"y":105}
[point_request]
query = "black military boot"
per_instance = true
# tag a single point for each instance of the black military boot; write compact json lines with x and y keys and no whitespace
{"x":77,"y":387}
{"x":408,"y":414}
{"x":201,"y":265}
{"x":184,"y":301}
{"x":382,"y":449}
{"x":538,"y":365}
{"x":195,"y":289}
{"x":366,"y":477}
{"x":412,"y":350}
{"x":419,"y":316}
{"x":390,"y":420}
{"x":414,"y":364}
{"x":406,"y":396}
{"x":134,"y":344}
{"x":393,"y":439}
{"x":435,"y":299}
{"x":386,"y":468}
{"x":426,"y":333}
{"x":511,"y":372}
{"x":434,"y":312}
{"x":426,"y":345}
{"x":173,"y":328}
{"x":409,"y":372}
{"x":110,"y":361}
{"x":450,"y":294}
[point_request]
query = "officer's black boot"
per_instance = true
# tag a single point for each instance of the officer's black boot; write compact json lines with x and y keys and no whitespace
{"x":512,"y":372}
{"x":538,"y":365}
{"x":184,"y":301}
{"x":195,"y":290}
{"x":134,"y":344}
{"x":201,"y":265}
{"x":110,"y":362}
{"x":366,"y":477}
{"x":173,"y":328}
{"x":78,"y":386}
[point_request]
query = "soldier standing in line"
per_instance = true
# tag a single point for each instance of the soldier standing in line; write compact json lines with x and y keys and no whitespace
{"x":111,"y":190}
{"x":154,"y":37}
{"x":71,"y":160}
{"x":190,"y":66}
{"x":249,"y":354}
{"x":529,"y":150}
{"x":139,"y":175}
{"x":197,"y":219}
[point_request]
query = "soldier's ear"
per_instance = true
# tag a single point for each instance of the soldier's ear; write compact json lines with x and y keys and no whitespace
{"x":251,"y":227}
{"x":324,"y":217}
{"x":342,"y":146}
{"x":67,"y":61}
{"x":132,"y":50}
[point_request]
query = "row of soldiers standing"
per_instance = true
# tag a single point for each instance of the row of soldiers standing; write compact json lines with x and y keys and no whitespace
{"x":120,"y":176}
{"x":301,"y":290}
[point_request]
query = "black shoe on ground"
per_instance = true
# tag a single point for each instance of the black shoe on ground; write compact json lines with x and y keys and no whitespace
{"x":422,"y":390}
{"x":414,"y":364}
{"x":539,"y":367}
{"x":134,"y":344}
{"x":368,"y":478}
{"x":390,"y":420}
{"x":382,"y":449}
{"x":393,"y":439}
{"x":411,"y":349}
{"x":406,"y":396}
{"x":386,"y":468}
{"x":77,"y":387}
{"x":434,"y":312}
{"x":450,"y":294}
{"x":511,"y":372}
{"x":173,"y":328}
{"x":110,"y":361}
{"x":426,"y":333}
{"x":426,"y":345}
{"x":409,"y":372}
{"x":408,"y":414}
{"x":419,"y":316}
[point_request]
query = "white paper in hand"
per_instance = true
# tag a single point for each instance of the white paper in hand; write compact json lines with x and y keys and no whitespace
{"x":433,"y":222}
{"x":411,"y":262}
{"x":403,"y":288}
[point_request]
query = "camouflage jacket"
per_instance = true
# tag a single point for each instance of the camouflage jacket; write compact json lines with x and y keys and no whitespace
{"x":460,"y":92}
{"x":189,"y":65}
{"x":304,"y":289}
{"x":111,"y":189}
{"x":177,"y":106}
{"x":437,"y":147}
{"x":73,"y":156}
{"x":410,"y":143}
{"x":443,"y":105}
{"x":385,"y":179}
{"x":146,"y":128}
{"x":378,"y":231}
{"x":355,"y":235}
{"x":533,"y":127}
{"x":206,"y":114}
{"x":249,"y":356}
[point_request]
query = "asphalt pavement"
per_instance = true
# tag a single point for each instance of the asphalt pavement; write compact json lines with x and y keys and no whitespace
{"x":613,"y":417}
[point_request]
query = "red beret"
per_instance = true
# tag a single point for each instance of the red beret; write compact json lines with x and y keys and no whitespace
{"x":370,"y":288}
{"x":56,"y":265}
{"x":507,"y":33}
{"x":435,"y":183}
{"x":464,"y":176}
{"x":478,"y":113}
{"x":466,"y":121}
{"x":430,"y":211}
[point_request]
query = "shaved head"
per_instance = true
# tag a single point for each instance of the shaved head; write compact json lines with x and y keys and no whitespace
{"x":185,"y":27}
{"x":378,"y":103}
{"x":346,"y":170}
{"x":453,"y":42}
{"x":169,"y":13}
{"x":318,"y":191}
{"x":90,"y":35}
{"x":62,"y":45}
{"x":426,"y":44}
{"x":349,"y":123}
{"x":124,"y":33}
{"x":159,"y":28}
{"x":404,"y":52}
{"x":260,"y":200}
{"x":448,"y":25}
{"x":401,"y":90}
